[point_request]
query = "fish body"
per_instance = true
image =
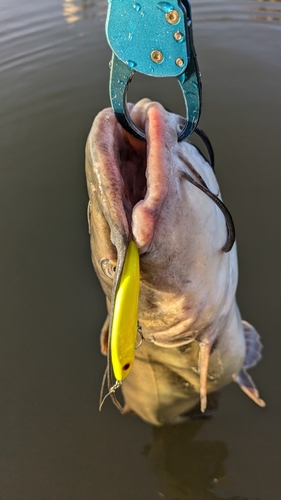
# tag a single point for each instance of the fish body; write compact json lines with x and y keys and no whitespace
{"x":194,"y":339}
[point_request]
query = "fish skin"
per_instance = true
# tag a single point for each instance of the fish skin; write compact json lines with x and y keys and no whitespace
{"x":187,"y":309}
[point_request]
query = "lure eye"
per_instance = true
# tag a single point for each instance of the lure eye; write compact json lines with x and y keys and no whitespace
{"x":126,"y":367}
{"x":108,"y":267}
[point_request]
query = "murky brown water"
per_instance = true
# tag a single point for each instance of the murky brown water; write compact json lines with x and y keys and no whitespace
{"x":54,"y":444}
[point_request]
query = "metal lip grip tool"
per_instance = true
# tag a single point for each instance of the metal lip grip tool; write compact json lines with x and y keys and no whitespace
{"x":153,"y":38}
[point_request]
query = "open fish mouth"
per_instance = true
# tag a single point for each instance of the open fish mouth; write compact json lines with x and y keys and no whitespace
{"x":134,"y":178}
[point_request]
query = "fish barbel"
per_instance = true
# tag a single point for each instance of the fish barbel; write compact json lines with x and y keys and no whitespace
{"x":163,"y":195}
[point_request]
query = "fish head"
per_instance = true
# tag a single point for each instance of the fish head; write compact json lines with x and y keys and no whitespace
{"x":138,"y":191}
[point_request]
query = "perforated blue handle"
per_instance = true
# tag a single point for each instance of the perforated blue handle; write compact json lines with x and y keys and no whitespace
{"x":135,"y":30}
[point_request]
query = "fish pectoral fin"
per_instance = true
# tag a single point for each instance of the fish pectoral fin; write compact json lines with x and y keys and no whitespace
{"x":253,"y":345}
{"x":104,"y":337}
{"x":252,"y":357}
{"x":203,"y":365}
{"x":247,"y":385}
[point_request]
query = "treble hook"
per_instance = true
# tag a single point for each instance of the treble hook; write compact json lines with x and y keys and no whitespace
{"x":112,"y":390}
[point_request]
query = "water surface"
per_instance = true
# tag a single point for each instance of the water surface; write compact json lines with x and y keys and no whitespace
{"x":54,"y":444}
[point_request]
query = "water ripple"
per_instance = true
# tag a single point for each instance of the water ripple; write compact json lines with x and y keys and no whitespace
{"x":225,"y":10}
{"x":26,"y":36}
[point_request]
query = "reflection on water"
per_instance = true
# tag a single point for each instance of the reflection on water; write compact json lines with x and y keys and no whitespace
{"x":76,"y":10}
{"x":267,"y":10}
{"x":269,"y":13}
{"x":179,"y":460}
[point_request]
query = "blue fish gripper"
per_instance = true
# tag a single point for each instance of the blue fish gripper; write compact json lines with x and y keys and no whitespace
{"x":153,"y":38}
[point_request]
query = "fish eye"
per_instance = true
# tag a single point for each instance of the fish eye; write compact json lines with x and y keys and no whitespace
{"x":108,"y":267}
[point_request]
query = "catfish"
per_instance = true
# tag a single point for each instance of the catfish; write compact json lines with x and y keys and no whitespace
{"x":163,"y":195}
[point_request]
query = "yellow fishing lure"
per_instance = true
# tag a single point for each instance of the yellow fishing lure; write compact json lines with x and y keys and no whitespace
{"x":125,"y":315}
